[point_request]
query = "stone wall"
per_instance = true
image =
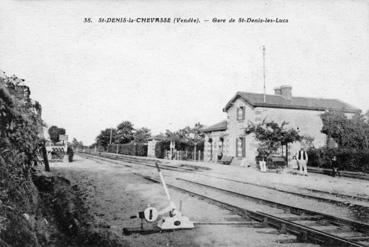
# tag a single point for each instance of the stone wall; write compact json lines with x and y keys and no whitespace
{"x":236,"y":128}
{"x":211,"y":148}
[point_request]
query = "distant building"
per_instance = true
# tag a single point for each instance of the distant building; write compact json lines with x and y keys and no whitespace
{"x":301,"y":113}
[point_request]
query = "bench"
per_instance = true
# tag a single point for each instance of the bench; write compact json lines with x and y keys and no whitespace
{"x":226,"y":160}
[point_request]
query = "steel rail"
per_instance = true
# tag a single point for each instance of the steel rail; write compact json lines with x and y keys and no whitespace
{"x":341,"y":203}
{"x":176,"y":168}
{"x":303,"y":233}
{"x":359,"y":226}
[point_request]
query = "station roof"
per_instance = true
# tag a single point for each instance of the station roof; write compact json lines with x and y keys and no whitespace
{"x":303,"y":103}
{"x":217,"y":127}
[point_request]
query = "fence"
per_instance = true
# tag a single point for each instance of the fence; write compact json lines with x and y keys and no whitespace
{"x":184,"y":155}
{"x":134,"y":149}
{"x":56,"y":153}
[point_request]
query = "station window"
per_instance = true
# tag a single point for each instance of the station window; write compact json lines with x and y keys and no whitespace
{"x":241,"y":113}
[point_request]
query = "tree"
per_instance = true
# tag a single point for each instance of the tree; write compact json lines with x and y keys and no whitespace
{"x":346,"y":132}
{"x":141,"y":135}
{"x":187,"y":134}
{"x":55,"y":132}
{"x":272,"y":136}
{"x":124,"y":132}
{"x":103,"y":139}
{"x":77,"y":144}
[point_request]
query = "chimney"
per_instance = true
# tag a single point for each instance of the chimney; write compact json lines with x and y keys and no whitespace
{"x":277,"y":91}
{"x":286,"y":91}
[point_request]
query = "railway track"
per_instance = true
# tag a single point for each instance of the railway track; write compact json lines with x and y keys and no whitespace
{"x":151,"y":162}
{"x":308,"y":226}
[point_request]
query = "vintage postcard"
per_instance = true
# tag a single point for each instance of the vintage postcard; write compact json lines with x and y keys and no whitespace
{"x":184,"y":123}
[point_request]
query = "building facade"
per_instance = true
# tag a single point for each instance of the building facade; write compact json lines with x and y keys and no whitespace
{"x":301,"y":113}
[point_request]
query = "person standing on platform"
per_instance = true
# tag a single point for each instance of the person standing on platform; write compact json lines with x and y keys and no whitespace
{"x":70,"y":153}
{"x":302,"y":159}
{"x":293,"y":163}
{"x":334,"y":165}
{"x":262,"y":164}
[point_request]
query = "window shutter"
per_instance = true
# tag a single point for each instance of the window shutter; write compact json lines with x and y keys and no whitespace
{"x":243,"y":147}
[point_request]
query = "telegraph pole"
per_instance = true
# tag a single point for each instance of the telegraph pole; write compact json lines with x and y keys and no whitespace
{"x":111,"y":135}
{"x":264,"y":70}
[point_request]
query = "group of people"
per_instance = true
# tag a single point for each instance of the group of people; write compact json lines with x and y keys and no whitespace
{"x":299,"y":161}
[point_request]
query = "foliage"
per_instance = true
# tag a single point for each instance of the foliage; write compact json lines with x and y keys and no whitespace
{"x":20,"y":127}
{"x":103,"y":139}
{"x":124,"y":132}
{"x":189,"y":135}
{"x":55,"y":132}
{"x":346,"y":132}
{"x":307,"y":141}
{"x":185,"y":139}
{"x":77,"y":144}
{"x":142,"y":135}
{"x":272,"y":136}
{"x":161,"y":147}
{"x":351,"y":135}
{"x":347,"y":158}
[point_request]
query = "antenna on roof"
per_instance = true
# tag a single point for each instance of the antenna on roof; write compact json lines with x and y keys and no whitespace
{"x":264,"y":70}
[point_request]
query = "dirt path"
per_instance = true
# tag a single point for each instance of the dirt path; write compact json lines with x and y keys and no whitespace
{"x":113,"y":193}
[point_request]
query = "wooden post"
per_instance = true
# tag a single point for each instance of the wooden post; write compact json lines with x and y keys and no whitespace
{"x":44,"y":154}
{"x":287,"y":154}
{"x":117,"y":149}
{"x":194,"y":157}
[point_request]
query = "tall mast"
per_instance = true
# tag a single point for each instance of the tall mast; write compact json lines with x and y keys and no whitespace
{"x":264,"y":70}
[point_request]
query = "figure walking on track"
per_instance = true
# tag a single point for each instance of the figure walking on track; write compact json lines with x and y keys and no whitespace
{"x":302,"y":159}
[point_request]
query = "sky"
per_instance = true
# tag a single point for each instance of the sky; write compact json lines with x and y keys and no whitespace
{"x":92,"y":76}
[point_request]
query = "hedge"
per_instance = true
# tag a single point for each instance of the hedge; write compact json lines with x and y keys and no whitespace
{"x":347,"y":159}
{"x":134,"y":149}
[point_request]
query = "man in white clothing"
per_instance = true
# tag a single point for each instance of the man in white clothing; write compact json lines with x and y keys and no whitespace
{"x":302,"y":159}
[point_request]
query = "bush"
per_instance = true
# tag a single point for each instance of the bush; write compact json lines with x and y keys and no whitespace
{"x":20,"y":125}
{"x":134,"y":149}
{"x":160,"y":148}
{"x":347,"y":159}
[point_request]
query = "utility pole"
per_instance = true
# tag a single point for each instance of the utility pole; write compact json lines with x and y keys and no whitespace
{"x":111,"y":135}
{"x":264,"y":70}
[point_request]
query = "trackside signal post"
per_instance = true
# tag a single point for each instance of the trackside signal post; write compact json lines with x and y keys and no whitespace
{"x":174,"y":221}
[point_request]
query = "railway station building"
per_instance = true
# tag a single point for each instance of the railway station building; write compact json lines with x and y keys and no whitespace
{"x":301,"y":113}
